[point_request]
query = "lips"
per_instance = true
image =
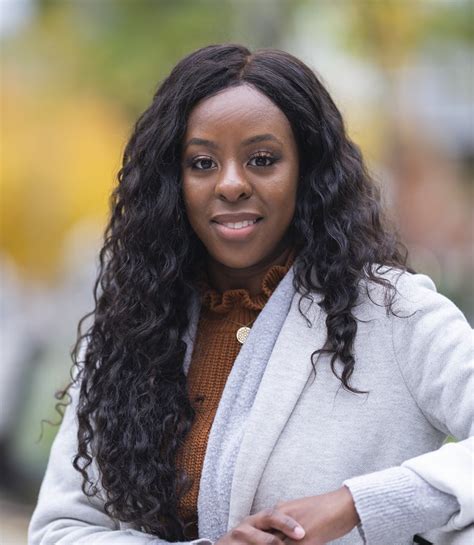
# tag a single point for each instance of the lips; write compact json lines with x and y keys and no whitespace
{"x":236,"y":227}
{"x":235,"y":218}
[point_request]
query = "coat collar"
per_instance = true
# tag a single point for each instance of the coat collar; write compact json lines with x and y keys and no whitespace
{"x":287,"y":372}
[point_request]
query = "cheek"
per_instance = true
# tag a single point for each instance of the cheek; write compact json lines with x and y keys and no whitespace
{"x":192,"y":197}
{"x":283,"y":195}
{"x":291,"y":191}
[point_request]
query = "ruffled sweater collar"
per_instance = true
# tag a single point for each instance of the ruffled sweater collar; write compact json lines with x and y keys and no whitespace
{"x":223,"y":302}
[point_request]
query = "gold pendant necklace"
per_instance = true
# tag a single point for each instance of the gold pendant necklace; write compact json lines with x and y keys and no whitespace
{"x":243,"y":332}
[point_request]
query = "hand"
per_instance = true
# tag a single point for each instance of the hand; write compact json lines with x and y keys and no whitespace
{"x":252,"y":529}
{"x":324,"y":518}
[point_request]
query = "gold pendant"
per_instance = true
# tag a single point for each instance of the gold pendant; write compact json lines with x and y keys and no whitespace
{"x":242,"y":334}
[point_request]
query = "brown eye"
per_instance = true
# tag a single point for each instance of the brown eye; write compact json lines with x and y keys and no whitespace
{"x":262,"y":161}
{"x":204,"y":163}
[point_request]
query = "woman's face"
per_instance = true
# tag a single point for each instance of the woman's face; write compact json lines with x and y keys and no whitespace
{"x":240,"y":175}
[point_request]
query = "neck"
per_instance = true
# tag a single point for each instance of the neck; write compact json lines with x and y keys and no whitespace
{"x":225,"y":278}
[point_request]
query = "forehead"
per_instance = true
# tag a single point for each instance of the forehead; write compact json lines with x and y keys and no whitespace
{"x":235,"y":111}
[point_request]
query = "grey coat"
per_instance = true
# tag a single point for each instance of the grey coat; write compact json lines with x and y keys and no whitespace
{"x":282,"y":433}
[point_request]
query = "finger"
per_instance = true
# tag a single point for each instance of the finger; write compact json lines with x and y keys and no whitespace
{"x":249,"y":534}
{"x":279,"y":534}
{"x":273,"y":519}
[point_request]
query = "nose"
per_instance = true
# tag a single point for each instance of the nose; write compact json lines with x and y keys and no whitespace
{"x":232,"y":185}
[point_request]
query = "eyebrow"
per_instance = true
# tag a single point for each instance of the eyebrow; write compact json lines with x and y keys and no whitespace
{"x":261,"y":138}
{"x":201,"y":142}
{"x":252,"y":140}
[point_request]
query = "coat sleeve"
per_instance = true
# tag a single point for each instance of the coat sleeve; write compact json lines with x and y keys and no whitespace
{"x":64,"y":515}
{"x":433,"y":347}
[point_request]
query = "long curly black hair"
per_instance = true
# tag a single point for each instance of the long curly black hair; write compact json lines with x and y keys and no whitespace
{"x":133,"y":408}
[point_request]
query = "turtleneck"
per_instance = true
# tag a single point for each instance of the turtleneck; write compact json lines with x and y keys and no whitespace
{"x":215,"y":349}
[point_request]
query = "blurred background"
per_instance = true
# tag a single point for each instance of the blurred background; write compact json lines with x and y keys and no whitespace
{"x":75,"y":74}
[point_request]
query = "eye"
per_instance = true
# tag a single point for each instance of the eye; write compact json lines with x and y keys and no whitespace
{"x":203,"y":163}
{"x":262,"y":160}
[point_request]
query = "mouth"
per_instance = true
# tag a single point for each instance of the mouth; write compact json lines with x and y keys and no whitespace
{"x":237,"y":231}
{"x":237,"y":224}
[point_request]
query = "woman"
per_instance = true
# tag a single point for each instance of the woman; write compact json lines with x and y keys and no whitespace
{"x":262,"y":364}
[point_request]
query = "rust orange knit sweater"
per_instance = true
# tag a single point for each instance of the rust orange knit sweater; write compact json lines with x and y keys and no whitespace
{"x":215,"y":350}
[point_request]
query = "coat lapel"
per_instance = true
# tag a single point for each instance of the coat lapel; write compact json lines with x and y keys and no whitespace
{"x":234,"y":408}
{"x":285,"y":377}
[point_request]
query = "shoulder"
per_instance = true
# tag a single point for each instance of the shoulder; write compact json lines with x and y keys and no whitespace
{"x":419,"y":316}
{"x":409,"y":283}
{"x":407,"y":292}
{"x":412,"y":311}
{"x":406,"y":283}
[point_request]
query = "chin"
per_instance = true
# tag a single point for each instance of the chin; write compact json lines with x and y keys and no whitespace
{"x":243,"y":259}
{"x":237,"y":263}
{"x":236,"y":260}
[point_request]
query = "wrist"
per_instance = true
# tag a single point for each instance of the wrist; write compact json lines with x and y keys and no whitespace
{"x":349,"y":506}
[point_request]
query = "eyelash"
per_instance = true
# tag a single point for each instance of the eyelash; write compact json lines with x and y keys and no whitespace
{"x":193,"y":162}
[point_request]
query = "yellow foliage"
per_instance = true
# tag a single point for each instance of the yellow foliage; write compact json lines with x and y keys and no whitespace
{"x":389,"y":29}
{"x":60,"y":156}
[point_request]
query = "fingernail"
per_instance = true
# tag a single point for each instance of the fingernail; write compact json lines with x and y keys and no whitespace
{"x":299,"y":531}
